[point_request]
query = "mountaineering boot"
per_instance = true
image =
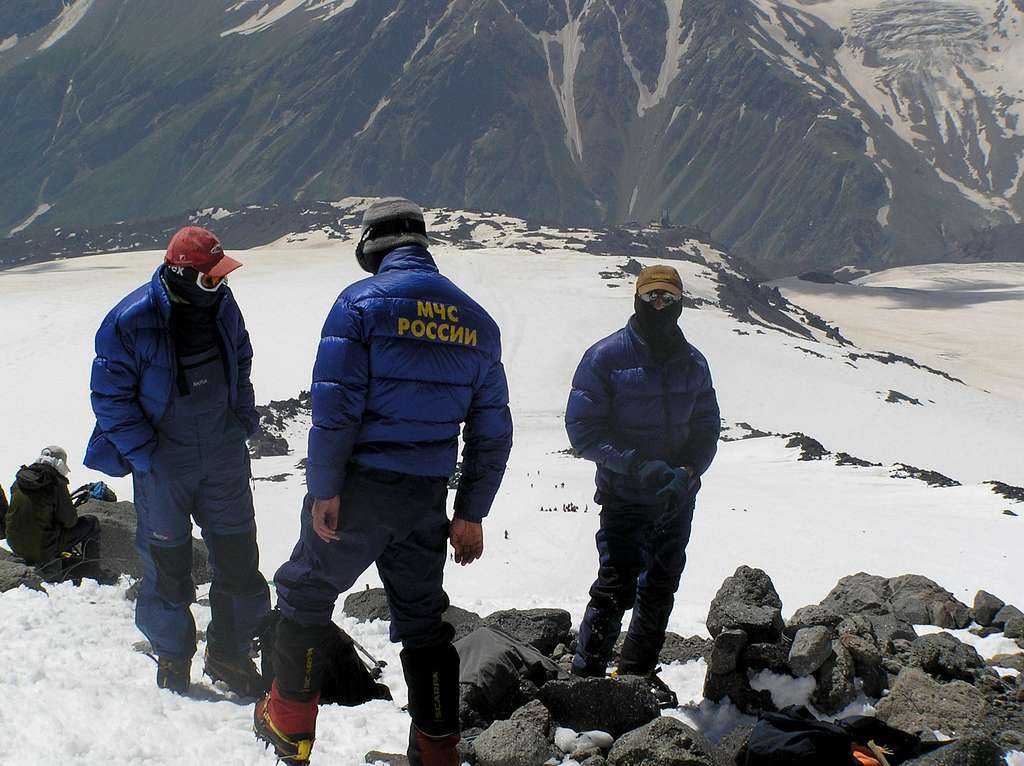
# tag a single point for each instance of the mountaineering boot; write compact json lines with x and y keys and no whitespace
{"x":432,"y":675}
{"x":662,"y":692}
{"x":173,"y":675}
{"x":237,"y":671}
{"x":425,"y":750}
{"x":288,"y":725}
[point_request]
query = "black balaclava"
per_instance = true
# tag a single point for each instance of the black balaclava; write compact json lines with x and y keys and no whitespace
{"x":659,"y":328}
{"x":184,"y":287}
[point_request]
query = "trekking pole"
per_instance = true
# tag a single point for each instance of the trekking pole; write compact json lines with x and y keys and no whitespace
{"x":378,"y":665}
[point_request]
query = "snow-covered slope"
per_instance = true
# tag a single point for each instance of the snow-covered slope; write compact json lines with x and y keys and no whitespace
{"x":806,"y":523}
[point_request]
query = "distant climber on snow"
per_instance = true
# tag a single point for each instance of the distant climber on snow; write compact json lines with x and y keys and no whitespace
{"x":174,"y":405}
{"x":405,"y":359}
{"x":643,"y":408}
{"x":42,"y":524}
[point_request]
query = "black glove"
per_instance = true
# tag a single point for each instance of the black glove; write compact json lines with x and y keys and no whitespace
{"x":676,"y":486}
{"x":654,"y":473}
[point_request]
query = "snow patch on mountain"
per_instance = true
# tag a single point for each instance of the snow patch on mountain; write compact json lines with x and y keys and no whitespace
{"x":8,"y":42}
{"x":268,"y":14}
{"x":676,"y":46}
{"x":68,"y":20}
{"x":568,"y":44}
{"x":39,"y":211}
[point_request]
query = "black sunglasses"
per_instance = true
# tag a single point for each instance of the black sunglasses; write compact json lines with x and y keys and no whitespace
{"x":663,"y":295}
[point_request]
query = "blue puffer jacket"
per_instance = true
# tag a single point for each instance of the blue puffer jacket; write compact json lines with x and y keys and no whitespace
{"x":134,"y":372}
{"x":405,"y":358}
{"x":626,"y":408}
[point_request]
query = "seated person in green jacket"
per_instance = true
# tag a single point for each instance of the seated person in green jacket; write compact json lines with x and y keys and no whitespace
{"x":42,"y":523}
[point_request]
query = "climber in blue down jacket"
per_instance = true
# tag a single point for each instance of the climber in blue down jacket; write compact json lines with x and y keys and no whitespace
{"x":642,"y":407}
{"x":173,"y":405}
{"x":405,"y":359}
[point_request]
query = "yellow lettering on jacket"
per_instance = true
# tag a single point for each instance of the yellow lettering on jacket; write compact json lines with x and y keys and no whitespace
{"x":403,"y":325}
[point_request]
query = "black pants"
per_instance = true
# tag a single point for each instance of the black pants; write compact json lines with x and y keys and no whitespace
{"x":87,"y":532}
{"x":642,"y":553}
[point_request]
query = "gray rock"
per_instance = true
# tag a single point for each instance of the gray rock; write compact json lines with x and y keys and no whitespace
{"x":921,"y":601}
{"x":536,"y":714}
{"x":732,"y":743}
{"x":811,"y":647}
{"x":888,"y":628}
{"x":857,"y":594}
{"x":726,"y":650}
{"x":857,"y":625}
{"x":679,"y":649}
{"x":543,"y":629}
{"x":736,"y":686}
{"x":1014,"y":661}
{"x":809,"y":616}
{"x":836,"y":688}
{"x":971,"y":750}
{"x":946,"y":658}
{"x":867,"y":663}
{"x":515,"y":742}
{"x":1014,"y":628}
{"x":663,"y":742}
{"x":749,"y":602}
{"x":117,"y":530}
{"x":985,"y":607}
{"x":917,"y":702}
{"x":612,"y":705}
{"x":464,"y":621}
{"x":388,"y":759}
{"x":773,"y":657}
{"x":14,"y":575}
{"x":1006,"y":614}
{"x":595,"y":760}
{"x":366,"y":605}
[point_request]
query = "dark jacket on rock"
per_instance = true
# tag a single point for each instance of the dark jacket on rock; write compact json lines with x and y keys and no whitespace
{"x":3,"y":513}
{"x":626,"y":407}
{"x":40,"y":509}
{"x":135,"y":373}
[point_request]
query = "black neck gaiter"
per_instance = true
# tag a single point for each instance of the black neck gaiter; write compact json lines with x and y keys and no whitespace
{"x":660,"y":329}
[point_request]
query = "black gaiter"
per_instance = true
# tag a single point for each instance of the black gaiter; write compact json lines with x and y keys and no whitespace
{"x":659,"y":328}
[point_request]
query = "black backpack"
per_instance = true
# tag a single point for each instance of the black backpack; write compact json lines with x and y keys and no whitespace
{"x":794,"y":737}
{"x":346,"y":680}
{"x":93,"y":491}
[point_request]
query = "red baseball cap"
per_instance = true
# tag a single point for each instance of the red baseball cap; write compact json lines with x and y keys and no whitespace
{"x":199,"y":249}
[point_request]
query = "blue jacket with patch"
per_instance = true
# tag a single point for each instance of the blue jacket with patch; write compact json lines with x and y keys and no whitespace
{"x":625,"y":408}
{"x":405,"y":358}
{"x":133,"y":376}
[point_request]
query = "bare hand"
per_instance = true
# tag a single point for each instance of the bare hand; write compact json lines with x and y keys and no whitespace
{"x":325,"y":518}
{"x":467,"y":538}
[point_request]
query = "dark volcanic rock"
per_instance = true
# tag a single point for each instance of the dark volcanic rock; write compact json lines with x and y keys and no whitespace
{"x":867,"y":663}
{"x":921,"y":601}
{"x":859,"y":593}
{"x":366,"y":605}
{"x":736,"y":686}
{"x":747,"y":601}
{"x":836,"y":688}
{"x":1007,"y":613}
{"x":808,"y":616}
{"x":946,"y":658}
{"x":679,"y":649}
{"x":726,"y":651}
{"x":543,"y":629}
{"x":972,"y":750}
{"x":513,"y":742}
{"x":606,"y":704}
{"x":985,"y":607}
{"x":773,"y":657}
{"x":14,"y":574}
{"x":811,"y":647}
{"x":663,"y":742}
{"x":918,"y":702}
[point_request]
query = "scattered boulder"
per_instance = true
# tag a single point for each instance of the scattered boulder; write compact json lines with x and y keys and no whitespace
{"x":921,"y":601}
{"x":513,"y":742}
{"x":614,"y":705}
{"x":811,"y":647}
{"x":543,"y":629}
{"x":860,"y":593}
{"x":1013,"y":661}
{"x":985,"y":607}
{"x":971,"y":750}
{"x":946,"y":658}
{"x":665,"y":741}
{"x":536,"y":714}
{"x":682,"y":650}
{"x":726,"y":651}
{"x":118,"y":555}
{"x":463,"y":620}
{"x":367,"y":605}
{"x":836,"y":688}
{"x":736,"y":686}
{"x":809,"y":616}
{"x":265,"y":444}
{"x":867,"y":663}
{"x":1014,"y":628}
{"x":747,"y":601}
{"x":918,"y":702}
{"x":773,"y":657}
{"x":14,"y":574}
{"x":1006,"y":614}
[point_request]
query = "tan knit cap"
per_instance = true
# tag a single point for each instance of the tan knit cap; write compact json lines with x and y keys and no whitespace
{"x":653,"y":278}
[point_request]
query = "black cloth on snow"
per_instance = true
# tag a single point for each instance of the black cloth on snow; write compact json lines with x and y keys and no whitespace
{"x":660,"y":328}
